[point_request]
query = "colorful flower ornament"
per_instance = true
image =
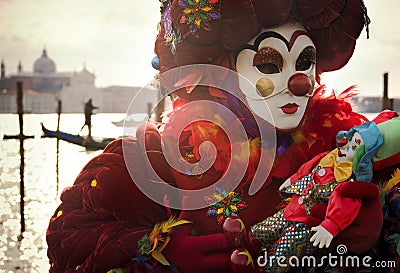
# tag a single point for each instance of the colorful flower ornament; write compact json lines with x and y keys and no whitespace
{"x":224,"y":204}
{"x":198,"y":13}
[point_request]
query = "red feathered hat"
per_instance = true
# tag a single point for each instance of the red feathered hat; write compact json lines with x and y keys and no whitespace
{"x":207,"y":31}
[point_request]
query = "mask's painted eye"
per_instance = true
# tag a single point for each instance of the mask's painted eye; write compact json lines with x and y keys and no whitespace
{"x":354,"y":147}
{"x":306,"y":59}
{"x":268,"y":61}
{"x":268,"y":68}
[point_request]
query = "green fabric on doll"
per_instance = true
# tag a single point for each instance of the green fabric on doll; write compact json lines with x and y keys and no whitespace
{"x":391,"y":143}
{"x":360,"y":152}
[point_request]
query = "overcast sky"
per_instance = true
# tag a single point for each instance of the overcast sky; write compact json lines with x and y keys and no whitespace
{"x":115,"y":39}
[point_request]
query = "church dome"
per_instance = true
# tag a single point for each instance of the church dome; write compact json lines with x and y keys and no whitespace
{"x":44,"y":64}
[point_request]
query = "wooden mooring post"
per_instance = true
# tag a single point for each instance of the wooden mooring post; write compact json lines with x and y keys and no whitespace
{"x":386,"y":102}
{"x":160,"y":107}
{"x":21,"y":137}
{"x":22,"y":154}
{"x":59,"y":107}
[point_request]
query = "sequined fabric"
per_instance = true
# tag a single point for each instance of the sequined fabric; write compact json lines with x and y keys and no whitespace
{"x":280,"y":237}
{"x":289,"y":239}
{"x":312,"y":193}
{"x":269,"y":230}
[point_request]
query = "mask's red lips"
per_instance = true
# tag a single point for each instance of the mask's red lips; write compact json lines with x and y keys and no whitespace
{"x":290,"y":108}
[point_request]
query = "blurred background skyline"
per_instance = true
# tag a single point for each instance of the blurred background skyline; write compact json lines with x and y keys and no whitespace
{"x":116,"y":41}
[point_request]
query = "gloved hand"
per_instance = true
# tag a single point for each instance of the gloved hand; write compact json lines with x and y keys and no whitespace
{"x":208,"y":253}
{"x":364,"y":232}
{"x":197,"y":254}
{"x":322,"y":237}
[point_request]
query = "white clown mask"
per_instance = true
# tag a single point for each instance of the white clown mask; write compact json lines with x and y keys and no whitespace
{"x":278,"y":74}
{"x":347,"y":148}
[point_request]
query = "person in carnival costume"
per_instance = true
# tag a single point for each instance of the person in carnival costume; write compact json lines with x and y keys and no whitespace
{"x":261,"y":60}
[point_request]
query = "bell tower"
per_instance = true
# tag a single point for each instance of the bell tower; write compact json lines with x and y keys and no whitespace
{"x":3,"y":70}
{"x":19,"y":68}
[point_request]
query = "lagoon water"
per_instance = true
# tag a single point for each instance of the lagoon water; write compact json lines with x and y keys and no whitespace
{"x":41,"y":196}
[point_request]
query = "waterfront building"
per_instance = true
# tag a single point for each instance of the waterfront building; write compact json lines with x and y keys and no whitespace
{"x":44,"y":86}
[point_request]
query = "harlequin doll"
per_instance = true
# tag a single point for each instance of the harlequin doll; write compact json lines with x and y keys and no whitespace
{"x":285,"y":233}
{"x":106,"y":222}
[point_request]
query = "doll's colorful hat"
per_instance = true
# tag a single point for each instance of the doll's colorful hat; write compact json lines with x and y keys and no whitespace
{"x":207,"y":31}
{"x":381,"y":147}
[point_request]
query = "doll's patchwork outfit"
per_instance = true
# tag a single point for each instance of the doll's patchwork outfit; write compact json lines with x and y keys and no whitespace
{"x":316,"y":182}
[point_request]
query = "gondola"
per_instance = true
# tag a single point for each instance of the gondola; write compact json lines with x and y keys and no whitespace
{"x":88,"y":143}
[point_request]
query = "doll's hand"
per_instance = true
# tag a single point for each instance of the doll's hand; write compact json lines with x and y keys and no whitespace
{"x":322,"y":237}
{"x":285,"y":185}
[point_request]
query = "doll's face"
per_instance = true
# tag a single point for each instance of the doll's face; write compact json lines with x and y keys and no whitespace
{"x":280,"y":64}
{"x":348,"y":150}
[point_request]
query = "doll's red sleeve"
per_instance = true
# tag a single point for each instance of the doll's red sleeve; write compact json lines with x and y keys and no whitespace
{"x":341,"y":211}
{"x":103,"y":215}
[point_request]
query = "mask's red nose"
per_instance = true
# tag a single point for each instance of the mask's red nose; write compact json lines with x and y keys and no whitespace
{"x":299,"y":84}
{"x":342,"y":142}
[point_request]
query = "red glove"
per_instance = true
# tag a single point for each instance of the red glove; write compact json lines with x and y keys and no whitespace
{"x":197,"y":254}
{"x":364,"y":232}
{"x":208,"y":253}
